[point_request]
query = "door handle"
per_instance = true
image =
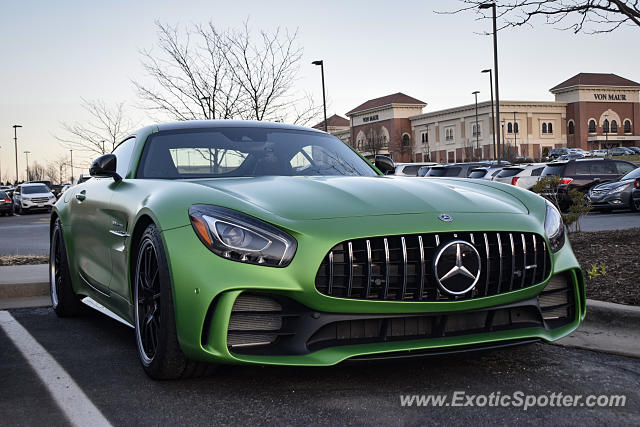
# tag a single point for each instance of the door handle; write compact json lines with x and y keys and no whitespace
{"x":81,"y":196}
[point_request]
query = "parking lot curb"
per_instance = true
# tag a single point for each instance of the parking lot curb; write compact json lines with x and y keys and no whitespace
{"x":611,"y":314}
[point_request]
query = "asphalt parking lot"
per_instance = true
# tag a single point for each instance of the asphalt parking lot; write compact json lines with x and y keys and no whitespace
{"x":24,"y":234}
{"x":28,"y":234}
{"x":99,"y":354}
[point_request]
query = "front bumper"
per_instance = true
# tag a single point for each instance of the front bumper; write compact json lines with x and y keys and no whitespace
{"x":30,"y":205}
{"x":207,"y":286}
{"x":620,"y":200}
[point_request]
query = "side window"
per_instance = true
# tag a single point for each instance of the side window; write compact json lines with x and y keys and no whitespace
{"x":537,"y":172}
{"x":123,"y":153}
{"x":582,"y":168}
{"x":624,"y":168}
{"x":604,"y":168}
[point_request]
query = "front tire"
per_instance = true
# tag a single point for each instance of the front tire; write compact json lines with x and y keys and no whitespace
{"x":63,"y":300}
{"x":156,"y":336}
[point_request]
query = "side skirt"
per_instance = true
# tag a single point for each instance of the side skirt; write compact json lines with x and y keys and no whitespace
{"x":104,"y":310}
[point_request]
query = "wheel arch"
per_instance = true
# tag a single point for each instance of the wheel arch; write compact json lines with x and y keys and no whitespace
{"x":141,"y":224}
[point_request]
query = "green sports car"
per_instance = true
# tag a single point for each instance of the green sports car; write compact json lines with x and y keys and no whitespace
{"x":253,"y":242}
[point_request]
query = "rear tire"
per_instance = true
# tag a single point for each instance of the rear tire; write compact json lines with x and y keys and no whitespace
{"x":63,"y":300}
{"x":635,"y":205}
{"x":156,"y":336}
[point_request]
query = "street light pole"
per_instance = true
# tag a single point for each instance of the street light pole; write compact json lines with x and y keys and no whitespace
{"x":606,"y":131}
{"x":477,"y":132}
{"x":71,"y":151}
{"x":103,"y":152}
{"x":493,"y":118}
{"x":27,"y":155}
{"x":495,"y":67}
{"x":320,"y":62}
{"x":15,"y":141}
{"x":515,"y":134}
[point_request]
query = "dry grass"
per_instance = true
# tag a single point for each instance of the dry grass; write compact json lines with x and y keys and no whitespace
{"x":23,"y":259}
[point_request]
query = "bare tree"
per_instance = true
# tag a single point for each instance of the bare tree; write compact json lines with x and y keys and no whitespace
{"x":201,"y":72}
{"x":36,"y":171}
{"x":375,"y":141}
{"x":104,"y":128}
{"x":589,"y":16}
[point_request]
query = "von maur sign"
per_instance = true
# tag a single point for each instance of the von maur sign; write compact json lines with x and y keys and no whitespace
{"x":609,"y":97}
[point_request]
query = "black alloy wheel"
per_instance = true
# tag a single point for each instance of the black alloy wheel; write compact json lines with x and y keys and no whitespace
{"x":148,"y":302}
{"x":154,"y":317}
{"x":64,"y":301}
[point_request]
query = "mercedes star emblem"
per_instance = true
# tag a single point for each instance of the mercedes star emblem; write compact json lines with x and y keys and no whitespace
{"x":445,"y":217}
{"x":457,"y":267}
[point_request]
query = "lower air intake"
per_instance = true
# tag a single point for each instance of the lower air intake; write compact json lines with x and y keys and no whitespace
{"x":556,"y":301}
{"x":255,"y":321}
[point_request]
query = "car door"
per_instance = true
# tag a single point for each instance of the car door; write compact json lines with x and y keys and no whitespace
{"x":117,"y":233}
{"x":88,"y":208}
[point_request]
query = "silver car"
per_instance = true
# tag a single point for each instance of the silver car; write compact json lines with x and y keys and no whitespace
{"x":524,"y":176}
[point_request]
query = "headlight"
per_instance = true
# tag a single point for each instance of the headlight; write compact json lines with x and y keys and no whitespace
{"x":240,"y":237}
{"x":554,"y":227}
{"x":619,"y":189}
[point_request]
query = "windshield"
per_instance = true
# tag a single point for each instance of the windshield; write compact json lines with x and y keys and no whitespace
{"x":479,"y":173}
{"x":632,"y":175}
{"x":247,"y":152}
{"x":35,"y":189}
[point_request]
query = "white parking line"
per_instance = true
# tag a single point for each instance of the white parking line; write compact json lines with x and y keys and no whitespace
{"x":70,"y":398}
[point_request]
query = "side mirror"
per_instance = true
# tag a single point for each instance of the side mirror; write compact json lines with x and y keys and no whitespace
{"x":105,"y":166}
{"x":385,"y":164}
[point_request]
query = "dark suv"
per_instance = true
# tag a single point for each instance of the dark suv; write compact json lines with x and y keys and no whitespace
{"x":454,"y":170}
{"x":582,"y":174}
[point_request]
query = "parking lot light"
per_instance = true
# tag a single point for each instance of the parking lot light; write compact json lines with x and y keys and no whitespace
{"x":320,"y":62}
{"x":15,"y":141}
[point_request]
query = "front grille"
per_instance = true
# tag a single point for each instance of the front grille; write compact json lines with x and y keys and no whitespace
{"x":401,"y":268}
{"x":39,"y":199}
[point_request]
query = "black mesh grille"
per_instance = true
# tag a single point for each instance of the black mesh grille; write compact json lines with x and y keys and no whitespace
{"x":401,"y":267}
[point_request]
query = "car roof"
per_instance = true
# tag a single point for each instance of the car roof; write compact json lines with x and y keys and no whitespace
{"x":212,"y":124}
{"x":31,"y":184}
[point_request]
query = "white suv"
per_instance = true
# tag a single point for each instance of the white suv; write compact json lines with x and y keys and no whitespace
{"x":29,"y":197}
{"x":525,"y":175}
{"x":410,"y":169}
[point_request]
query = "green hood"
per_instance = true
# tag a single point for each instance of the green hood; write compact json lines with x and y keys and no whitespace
{"x":305,"y":198}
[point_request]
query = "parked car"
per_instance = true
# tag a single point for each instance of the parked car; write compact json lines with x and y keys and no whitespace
{"x":583,"y":174}
{"x":484,"y":172}
{"x":579,"y":151}
{"x":621,"y":151}
{"x":615,"y":194}
{"x":636,"y":194}
{"x":31,"y":197}
{"x":453,"y":170}
{"x":636,"y":150}
{"x":571,"y":156}
{"x":599,"y":153}
{"x":6,"y":204}
{"x":409,"y":169}
{"x":557,"y":152}
{"x":7,"y":189}
{"x":245,"y":262}
{"x":524,"y":176}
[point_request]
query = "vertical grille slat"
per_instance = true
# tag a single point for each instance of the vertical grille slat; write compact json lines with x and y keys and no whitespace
{"x":369,"y":276}
{"x":423,"y":273}
{"x":400,"y":268}
{"x":513,"y":262}
{"x":405,"y":267}
{"x":387,"y":264}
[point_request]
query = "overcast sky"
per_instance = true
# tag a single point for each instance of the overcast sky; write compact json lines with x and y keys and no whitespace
{"x":55,"y":53}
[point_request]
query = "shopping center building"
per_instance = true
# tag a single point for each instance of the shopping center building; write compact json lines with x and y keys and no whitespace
{"x":590,"y":111}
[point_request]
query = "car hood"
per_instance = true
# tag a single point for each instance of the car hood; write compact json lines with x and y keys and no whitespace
{"x":305,"y":198}
{"x":36,"y":195}
{"x":612,"y":184}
